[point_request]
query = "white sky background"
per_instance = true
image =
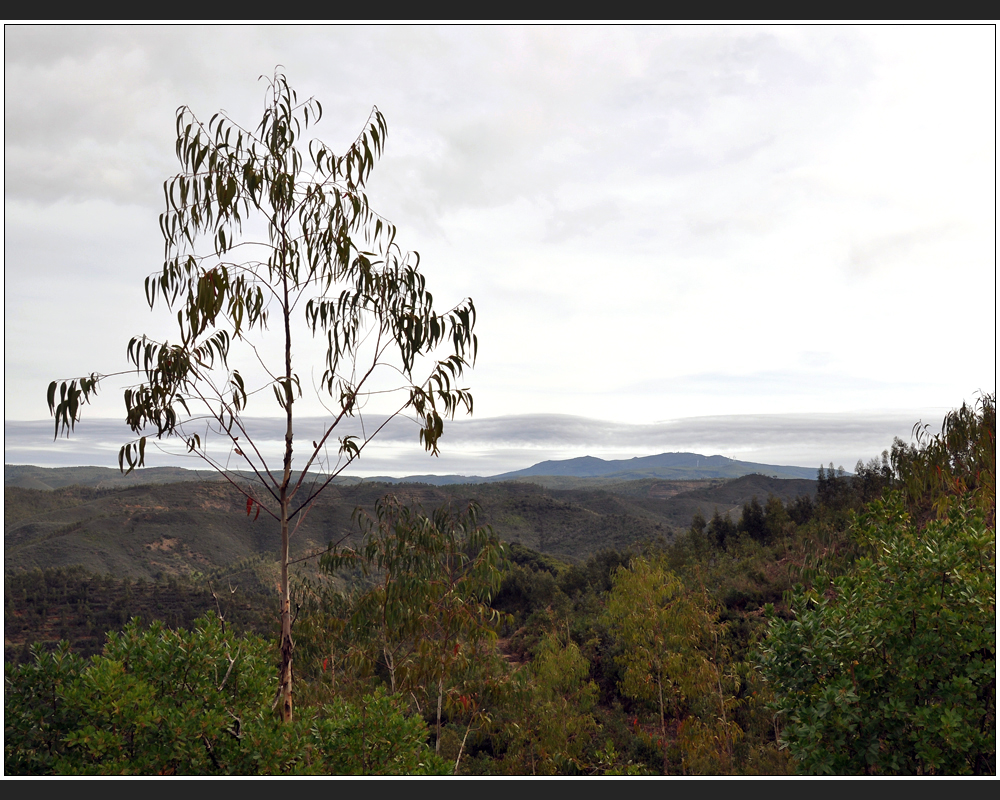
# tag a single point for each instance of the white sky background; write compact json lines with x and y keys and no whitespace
{"x":744,"y":224}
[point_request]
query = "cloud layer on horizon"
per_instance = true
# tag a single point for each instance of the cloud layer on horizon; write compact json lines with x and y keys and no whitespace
{"x":495,"y":445}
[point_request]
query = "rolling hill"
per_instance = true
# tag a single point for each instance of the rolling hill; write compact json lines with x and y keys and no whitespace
{"x":179,"y":527}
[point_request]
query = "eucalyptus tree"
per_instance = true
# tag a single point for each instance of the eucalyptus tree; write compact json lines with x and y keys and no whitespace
{"x":427,"y":613}
{"x":328,"y":256}
{"x":669,"y":655}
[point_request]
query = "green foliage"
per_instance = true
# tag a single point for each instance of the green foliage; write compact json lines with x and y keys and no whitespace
{"x":428,"y":612}
{"x":801,"y":510}
{"x":36,"y":715}
{"x":434,"y":577}
{"x":546,"y":726}
{"x":753,"y":521}
{"x":374,"y":735}
{"x":894,"y":669}
{"x":668,"y":639}
{"x":833,"y":488}
{"x":872,"y":479}
{"x":191,"y":702}
{"x":157,"y":701}
{"x":559,"y":721}
{"x":958,"y":465}
{"x":721,"y":530}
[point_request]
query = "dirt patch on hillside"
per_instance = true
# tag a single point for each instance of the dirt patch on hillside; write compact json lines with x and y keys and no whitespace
{"x":664,"y":489}
{"x":165,"y":544}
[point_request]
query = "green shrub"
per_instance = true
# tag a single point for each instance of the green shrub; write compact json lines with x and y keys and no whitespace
{"x":893,"y":670}
{"x":193,"y":702}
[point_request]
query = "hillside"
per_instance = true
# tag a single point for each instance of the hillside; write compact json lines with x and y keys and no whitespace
{"x":175,"y":528}
{"x":26,"y":476}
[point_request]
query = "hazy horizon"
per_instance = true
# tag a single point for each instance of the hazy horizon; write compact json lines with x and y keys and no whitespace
{"x":486,"y":447}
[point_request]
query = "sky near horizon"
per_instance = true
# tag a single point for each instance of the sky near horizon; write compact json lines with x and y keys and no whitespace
{"x":774,"y":243}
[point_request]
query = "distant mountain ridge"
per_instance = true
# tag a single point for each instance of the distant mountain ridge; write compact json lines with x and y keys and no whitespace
{"x":666,"y":466}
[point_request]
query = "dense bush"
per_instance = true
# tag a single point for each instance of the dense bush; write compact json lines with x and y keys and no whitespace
{"x":894,"y":669}
{"x":192,"y":703}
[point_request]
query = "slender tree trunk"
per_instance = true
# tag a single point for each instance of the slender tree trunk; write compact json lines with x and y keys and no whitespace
{"x":461,"y":748}
{"x":391,"y":666}
{"x":663,"y":726}
{"x":728,"y":750}
{"x":437,"y":743}
{"x":285,"y":675}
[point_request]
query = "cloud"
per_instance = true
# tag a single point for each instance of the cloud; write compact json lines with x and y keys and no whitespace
{"x":500,"y":444}
{"x":880,"y":251}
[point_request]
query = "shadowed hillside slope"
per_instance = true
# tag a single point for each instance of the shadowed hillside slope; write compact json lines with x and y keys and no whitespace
{"x":175,"y":528}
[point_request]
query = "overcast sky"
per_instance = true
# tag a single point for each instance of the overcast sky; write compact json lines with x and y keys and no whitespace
{"x":775,"y":243}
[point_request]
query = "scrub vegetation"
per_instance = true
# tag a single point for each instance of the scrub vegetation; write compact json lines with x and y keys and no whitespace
{"x":847,"y":632}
